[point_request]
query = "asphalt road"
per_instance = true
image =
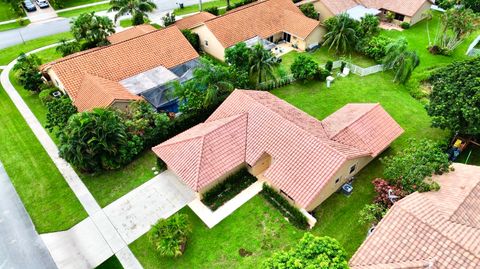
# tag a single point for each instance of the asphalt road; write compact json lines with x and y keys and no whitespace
{"x":20,"y":245}
{"x":60,"y":25}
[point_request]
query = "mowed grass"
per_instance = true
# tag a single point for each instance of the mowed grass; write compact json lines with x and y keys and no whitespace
{"x":77,"y":12}
{"x":46,"y":196}
{"x":196,"y":8}
{"x":219,"y":247}
{"x":75,"y":3}
{"x":6,"y":12}
{"x":9,"y":54}
{"x":13,"y":25}
{"x":417,"y":38}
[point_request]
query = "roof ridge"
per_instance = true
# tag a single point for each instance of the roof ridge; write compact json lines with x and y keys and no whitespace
{"x":66,"y":58}
{"x":463,"y":202}
{"x":199,"y":164}
{"x":361,"y":116}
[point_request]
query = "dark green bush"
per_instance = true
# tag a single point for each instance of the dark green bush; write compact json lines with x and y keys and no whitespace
{"x":289,"y":211}
{"x":375,"y":47}
{"x":46,"y":96}
{"x":161,"y":165}
{"x":405,"y":25}
{"x":212,"y":10}
{"x":192,"y":38}
{"x":329,"y":66}
{"x":227,"y":189}
{"x":322,"y":74}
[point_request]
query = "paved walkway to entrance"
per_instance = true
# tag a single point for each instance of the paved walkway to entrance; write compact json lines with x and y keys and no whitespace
{"x":20,"y":245}
{"x":212,"y":218}
{"x":101,"y":221}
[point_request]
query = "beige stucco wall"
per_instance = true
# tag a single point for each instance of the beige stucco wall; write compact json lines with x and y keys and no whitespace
{"x":261,"y":165}
{"x":316,"y":36}
{"x":214,"y":47}
{"x":324,"y":12}
{"x":418,"y":16}
{"x":121,"y":104}
{"x":56,"y":81}
{"x":343,"y":174}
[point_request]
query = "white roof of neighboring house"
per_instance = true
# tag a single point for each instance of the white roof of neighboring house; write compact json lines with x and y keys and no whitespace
{"x":360,"y":11}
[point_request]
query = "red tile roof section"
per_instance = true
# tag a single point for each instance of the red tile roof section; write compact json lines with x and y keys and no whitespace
{"x":438,"y":228}
{"x":263,"y":19}
{"x":405,"y":7}
{"x":193,"y":20}
{"x":99,"y":92}
{"x":303,"y":157}
{"x":166,"y":47}
{"x":130,"y":33}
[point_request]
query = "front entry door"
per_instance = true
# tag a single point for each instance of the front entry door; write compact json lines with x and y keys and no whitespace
{"x":287,"y":37}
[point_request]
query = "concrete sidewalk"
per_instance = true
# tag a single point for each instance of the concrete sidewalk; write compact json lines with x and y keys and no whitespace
{"x":20,"y":245}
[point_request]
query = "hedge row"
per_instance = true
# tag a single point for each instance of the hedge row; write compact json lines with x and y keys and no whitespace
{"x":289,"y":211}
{"x":273,"y":84}
{"x":227,"y":189}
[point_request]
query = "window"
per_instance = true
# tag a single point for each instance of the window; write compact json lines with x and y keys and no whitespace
{"x":352,"y":168}
{"x":399,"y":17}
{"x":337,"y":180}
{"x":206,"y":43}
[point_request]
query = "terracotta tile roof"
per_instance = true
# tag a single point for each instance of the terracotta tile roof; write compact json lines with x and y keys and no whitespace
{"x":438,"y":228}
{"x":99,"y":92}
{"x":206,"y":151}
{"x":166,"y":47}
{"x":303,"y":156}
{"x":194,"y":20}
{"x":133,"y":32}
{"x":263,"y":19}
{"x":364,"y":126}
{"x":405,"y":7}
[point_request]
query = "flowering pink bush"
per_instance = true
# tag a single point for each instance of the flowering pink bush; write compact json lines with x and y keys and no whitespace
{"x":381,"y":188}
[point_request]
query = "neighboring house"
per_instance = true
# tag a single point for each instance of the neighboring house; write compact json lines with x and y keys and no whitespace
{"x":194,"y":21}
{"x":139,"y":63}
{"x":306,"y":160}
{"x":269,"y":21}
{"x":437,"y":229}
{"x":404,"y":10}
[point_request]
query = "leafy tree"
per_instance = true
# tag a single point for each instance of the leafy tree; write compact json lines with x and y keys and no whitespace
{"x":210,"y":85}
{"x":192,"y":38}
{"x":341,"y":33}
{"x":95,"y":140}
{"x":168,"y":19}
{"x":262,"y":63}
{"x":169,"y":236}
{"x":369,"y":26}
{"x":412,"y":167}
{"x":238,"y":56}
{"x":27,"y":72}
{"x":142,"y":120}
{"x":310,"y":252}
{"x":92,"y":30}
{"x":372,"y":213}
{"x":375,"y":47}
{"x":59,"y":110}
{"x":309,"y":11}
{"x":68,"y":47}
{"x":401,"y":60}
{"x":455,"y":98}
{"x":304,"y":68}
{"x":137,"y":8}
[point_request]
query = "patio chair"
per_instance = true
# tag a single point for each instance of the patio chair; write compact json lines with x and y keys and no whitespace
{"x":345,"y":72}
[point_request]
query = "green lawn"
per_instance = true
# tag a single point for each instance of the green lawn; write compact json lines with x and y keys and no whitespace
{"x":418,"y":41}
{"x":6,"y":12}
{"x":471,"y":155}
{"x":126,"y":23}
{"x":218,"y":247}
{"x":74,"y":3}
{"x":9,"y":54}
{"x":111,"y":263}
{"x":77,"y":12}
{"x":107,"y":187}
{"x":44,"y":192}
{"x":13,"y":25}
{"x":195,"y":8}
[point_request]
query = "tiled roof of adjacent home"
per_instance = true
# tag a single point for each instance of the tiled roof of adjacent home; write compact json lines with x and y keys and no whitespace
{"x":303,"y":155}
{"x":264,"y":19}
{"x":405,"y":7}
{"x":339,"y":6}
{"x":193,"y":20}
{"x":135,"y":31}
{"x":99,"y":92}
{"x":166,"y":47}
{"x":438,"y":229}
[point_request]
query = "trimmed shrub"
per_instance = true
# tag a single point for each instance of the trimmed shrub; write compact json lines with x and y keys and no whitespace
{"x":212,"y":10}
{"x":304,"y":68}
{"x":375,"y":47}
{"x":227,"y":189}
{"x":309,"y":11}
{"x":405,"y":25}
{"x":289,"y":211}
{"x":329,"y":66}
{"x":46,"y":96}
{"x":169,"y":236}
{"x":322,"y":74}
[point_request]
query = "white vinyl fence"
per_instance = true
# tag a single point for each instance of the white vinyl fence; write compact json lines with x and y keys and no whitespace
{"x":357,"y":70}
{"x":472,"y":51}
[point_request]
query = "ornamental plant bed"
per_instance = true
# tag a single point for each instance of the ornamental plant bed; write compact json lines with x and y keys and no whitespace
{"x":229,"y":188}
{"x":289,"y":211}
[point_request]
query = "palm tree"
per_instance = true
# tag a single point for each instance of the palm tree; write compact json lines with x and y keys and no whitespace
{"x":262,"y":63}
{"x":342,"y":34}
{"x":137,"y":8}
{"x":401,"y":60}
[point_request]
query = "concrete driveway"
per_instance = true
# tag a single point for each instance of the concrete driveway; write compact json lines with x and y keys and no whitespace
{"x":20,"y":245}
{"x":41,"y":14}
{"x":133,"y":214}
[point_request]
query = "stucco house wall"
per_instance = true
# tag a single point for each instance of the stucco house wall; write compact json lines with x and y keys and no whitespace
{"x":418,"y":16}
{"x":209,"y":43}
{"x":315,"y":37}
{"x":324,"y":12}
{"x":56,"y":81}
